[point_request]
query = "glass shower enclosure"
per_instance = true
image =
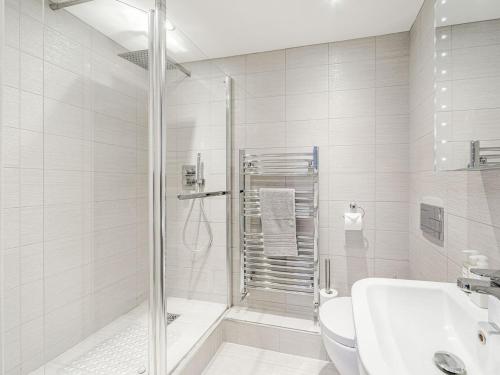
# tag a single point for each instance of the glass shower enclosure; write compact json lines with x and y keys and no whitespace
{"x":74,"y":188}
{"x":115,"y":189}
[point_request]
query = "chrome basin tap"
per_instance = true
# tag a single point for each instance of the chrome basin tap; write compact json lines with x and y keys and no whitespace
{"x":490,"y":286}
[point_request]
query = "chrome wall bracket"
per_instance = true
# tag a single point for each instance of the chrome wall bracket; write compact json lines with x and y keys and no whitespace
{"x":56,"y":5}
{"x":483,"y":157}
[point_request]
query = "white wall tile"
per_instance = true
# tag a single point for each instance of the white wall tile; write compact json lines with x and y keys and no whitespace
{"x":352,"y":50}
{"x":392,"y":158}
{"x":352,"y":103}
{"x":352,"y":159}
{"x":392,"y":71}
{"x":265,"y":84}
{"x":31,"y":111}
{"x":11,"y":67}
{"x":10,"y":107}
{"x":265,"y":61}
{"x":307,"y":56}
{"x":270,"y":109}
{"x":32,"y":74}
{"x":352,"y":131}
{"x":307,"y":106}
{"x":307,"y":133}
{"x":393,"y":45}
{"x":392,"y":216}
{"x":392,"y":187}
{"x":392,"y":129}
{"x":31,"y":36}
{"x":352,"y":186}
{"x":352,"y":75}
{"x":392,"y":101}
{"x":307,"y":80}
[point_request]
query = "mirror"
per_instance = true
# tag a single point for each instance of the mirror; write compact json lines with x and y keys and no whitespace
{"x":467,"y":84}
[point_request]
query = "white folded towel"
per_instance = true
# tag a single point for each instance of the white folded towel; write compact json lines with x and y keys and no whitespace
{"x":277,"y":208}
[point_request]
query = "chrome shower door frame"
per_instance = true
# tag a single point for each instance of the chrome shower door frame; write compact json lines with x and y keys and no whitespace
{"x":157,"y":190}
{"x":229,"y":188}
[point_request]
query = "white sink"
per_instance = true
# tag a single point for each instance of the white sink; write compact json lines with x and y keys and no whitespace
{"x":400,"y":324}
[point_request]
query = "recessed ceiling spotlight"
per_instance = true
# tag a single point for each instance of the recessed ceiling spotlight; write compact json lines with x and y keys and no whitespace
{"x":333,"y":2}
{"x":443,"y":2}
{"x":169,"y":25}
{"x":444,"y":19}
{"x":444,"y":54}
{"x":444,"y":36}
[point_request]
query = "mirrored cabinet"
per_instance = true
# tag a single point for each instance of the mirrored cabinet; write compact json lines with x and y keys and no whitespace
{"x":467,"y":84}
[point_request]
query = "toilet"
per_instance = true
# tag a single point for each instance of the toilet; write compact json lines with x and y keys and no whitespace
{"x":337,"y":331}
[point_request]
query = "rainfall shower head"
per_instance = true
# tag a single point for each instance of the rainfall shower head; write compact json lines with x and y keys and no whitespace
{"x":141,"y":58}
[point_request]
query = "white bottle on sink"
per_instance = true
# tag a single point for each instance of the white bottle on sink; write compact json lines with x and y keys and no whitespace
{"x":466,"y":263}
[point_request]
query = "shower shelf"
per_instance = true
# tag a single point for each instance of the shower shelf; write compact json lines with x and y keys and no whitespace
{"x":202,"y":195}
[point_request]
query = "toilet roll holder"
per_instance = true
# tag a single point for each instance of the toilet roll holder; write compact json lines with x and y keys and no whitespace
{"x":354,"y":207}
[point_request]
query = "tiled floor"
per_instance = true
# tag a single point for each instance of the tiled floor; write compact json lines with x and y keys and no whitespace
{"x":120,"y":348}
{"x":234,"y":359}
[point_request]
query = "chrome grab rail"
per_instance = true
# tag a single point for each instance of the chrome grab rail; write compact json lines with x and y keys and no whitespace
{"x":204,"y":194}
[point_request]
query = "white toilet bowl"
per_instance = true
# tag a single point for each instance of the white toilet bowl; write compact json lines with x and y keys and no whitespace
{"x":337,"y":330}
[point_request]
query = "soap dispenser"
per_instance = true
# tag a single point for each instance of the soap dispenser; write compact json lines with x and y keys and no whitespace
{"x":466,"y":262}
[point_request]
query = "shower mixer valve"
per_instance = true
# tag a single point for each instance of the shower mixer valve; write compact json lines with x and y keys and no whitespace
{"x":193,"y":176}
{"x":188,"y":176}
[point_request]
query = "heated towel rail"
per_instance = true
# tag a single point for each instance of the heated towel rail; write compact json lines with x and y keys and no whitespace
{"x":298,"y":274}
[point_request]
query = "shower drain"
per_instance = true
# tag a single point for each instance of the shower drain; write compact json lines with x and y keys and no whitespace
{"x":171,"y":317}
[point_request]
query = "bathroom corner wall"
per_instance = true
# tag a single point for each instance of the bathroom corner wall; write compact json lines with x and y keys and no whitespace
{"x":350,"y":99}
{"x":73,"y":184}
{"x":471,"y":199}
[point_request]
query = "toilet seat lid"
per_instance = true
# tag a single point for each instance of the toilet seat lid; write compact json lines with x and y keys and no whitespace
{"x":337,"y":322}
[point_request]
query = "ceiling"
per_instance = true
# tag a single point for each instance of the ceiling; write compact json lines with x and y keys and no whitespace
{"x":219,"y":28}
{"x":455,"y":12}
{"x":233,"y":27}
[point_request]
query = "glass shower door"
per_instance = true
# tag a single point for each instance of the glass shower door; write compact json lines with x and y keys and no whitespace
{"x":74,"y":185}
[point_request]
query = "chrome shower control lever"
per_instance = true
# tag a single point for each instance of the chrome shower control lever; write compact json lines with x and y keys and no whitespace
{"x":200,"y":178}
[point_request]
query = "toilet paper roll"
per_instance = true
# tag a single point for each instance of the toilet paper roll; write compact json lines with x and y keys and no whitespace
{"x":353,"y":221}
{"x":324,"y":296}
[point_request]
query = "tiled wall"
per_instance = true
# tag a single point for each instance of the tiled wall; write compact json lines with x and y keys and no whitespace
{"x":196,"y":123}
{"x":74,"y":183}
{"x":350,"y":99}
{"x":467,"y":95}
{"x":471,"y":199}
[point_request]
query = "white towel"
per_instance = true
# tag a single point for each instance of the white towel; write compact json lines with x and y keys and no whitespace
{"x":277,"y":207}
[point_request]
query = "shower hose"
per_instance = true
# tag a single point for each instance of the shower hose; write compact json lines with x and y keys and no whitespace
{"x":204,"y":219}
